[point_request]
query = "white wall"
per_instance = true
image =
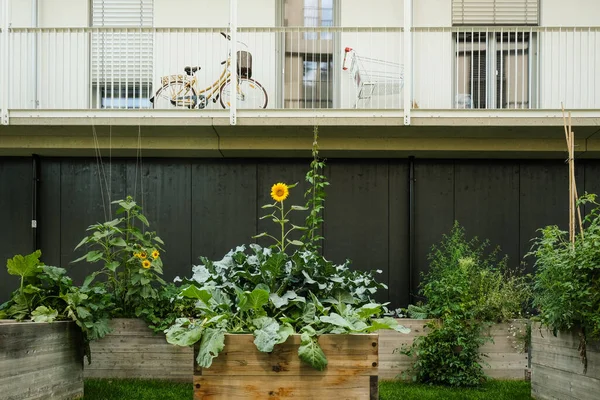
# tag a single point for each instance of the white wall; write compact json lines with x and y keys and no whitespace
{"x":569,"y":13}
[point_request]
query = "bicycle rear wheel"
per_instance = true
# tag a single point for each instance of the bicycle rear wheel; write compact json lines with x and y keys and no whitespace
{"x":250,"y":94}
{"x":175,"y":94}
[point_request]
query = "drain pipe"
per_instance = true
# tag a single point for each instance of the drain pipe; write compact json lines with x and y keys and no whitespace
{"x":35,"y":170}
{"x":411,"y":226}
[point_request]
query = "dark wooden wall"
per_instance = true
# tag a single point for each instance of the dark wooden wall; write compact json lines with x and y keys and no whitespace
{"x":206,"y":207}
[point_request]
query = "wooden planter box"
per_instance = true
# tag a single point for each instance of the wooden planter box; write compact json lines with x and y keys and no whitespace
{"x":556,"y":369}
{"x":242,"y":372}
{"x":505,"y":360}
{"x":132,"y":350}
{"x":40,"y":360}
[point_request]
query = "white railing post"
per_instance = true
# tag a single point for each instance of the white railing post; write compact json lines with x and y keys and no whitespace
{"x":408,"y":59}
{"x":233,"y":86}
{"x":4,"y":59}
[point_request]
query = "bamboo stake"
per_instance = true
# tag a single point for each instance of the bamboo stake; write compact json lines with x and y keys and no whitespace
{"x":573,"y":196}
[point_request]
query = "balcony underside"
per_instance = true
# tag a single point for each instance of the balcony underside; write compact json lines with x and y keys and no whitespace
{"x":273,"y":133}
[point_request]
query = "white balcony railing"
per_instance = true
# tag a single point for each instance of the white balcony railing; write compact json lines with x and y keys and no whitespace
{"x":300,"y":68}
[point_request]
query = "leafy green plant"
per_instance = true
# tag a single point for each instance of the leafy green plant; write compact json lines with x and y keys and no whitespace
{"x":129,"y":259}
{"x":567,"y":279}
{"x":273,"y":294}
{"x":465,"y":289}
{"x":47,"y":294}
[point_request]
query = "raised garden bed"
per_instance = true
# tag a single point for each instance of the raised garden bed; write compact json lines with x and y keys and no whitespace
{"x":506,"y":358}
{"x":132,"y":350}
{"x":40,"y":360}
{"x":242,"y":372}
{"x":556,"y":368}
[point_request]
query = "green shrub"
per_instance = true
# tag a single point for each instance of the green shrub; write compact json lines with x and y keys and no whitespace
{"x":465,"y":289}
{"x":567,"y":280}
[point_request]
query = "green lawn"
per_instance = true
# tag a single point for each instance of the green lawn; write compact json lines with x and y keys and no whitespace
{"x":494,"y":390}
{"x":101,"y":389}
{"x":131,"y":389}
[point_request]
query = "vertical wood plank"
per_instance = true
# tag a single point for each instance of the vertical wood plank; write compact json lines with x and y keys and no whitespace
{"x":357,"y":217}
{"x":224,"y":206}
{"x":399,"y":274}
{"x":15,"y":215}
{"x":49,"y":221}
{"x":434,"y":210}
{"x":487,"y":203}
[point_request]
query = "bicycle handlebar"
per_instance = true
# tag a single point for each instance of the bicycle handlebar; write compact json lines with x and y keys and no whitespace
{"x":226,"y":36}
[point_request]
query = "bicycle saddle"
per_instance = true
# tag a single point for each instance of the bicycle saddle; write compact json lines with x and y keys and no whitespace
{"x":189,"y":70}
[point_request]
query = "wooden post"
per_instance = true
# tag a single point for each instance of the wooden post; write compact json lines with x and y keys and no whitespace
{"x":573,"y":196}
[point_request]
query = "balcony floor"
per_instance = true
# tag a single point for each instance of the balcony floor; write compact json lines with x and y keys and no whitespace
{"x":288,"y":133}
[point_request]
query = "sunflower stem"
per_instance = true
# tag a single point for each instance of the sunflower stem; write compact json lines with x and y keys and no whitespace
{"x":282,"y":228}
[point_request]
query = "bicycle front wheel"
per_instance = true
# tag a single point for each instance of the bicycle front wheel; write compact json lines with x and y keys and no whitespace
{"x":175,"y":94}
{"x":250,"y":94}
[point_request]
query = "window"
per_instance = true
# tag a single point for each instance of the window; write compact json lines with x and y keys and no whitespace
{"x":122,"y":58}
{"x":308,"y":79}
{"x":495,"y":12}
{"x":493,"y":70}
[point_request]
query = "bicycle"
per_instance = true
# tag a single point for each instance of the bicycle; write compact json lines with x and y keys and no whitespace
{"x":182,"y":90}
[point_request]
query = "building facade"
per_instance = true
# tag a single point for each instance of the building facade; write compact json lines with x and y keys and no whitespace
{"x":429,"y":111}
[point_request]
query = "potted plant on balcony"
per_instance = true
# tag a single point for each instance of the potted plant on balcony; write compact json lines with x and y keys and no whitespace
{"x":276,"y":322}
{"x":51,"y":324}
{"x":130,"y":271}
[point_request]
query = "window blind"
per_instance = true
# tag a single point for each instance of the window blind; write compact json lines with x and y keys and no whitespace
{"x":495,"y":12}
{"x":122,"y":55}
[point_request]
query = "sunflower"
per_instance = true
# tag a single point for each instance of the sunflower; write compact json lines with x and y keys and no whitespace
{"x":143,"y":255}
{"x":280,"y":192}
{"x":136,"y":255}
{"x":146,"y":264}
{"x":155,"y":254}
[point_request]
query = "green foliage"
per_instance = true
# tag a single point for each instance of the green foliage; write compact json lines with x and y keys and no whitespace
{"x":464,"y":288}
{"x":463,"y":280}
{"x":567,"y":280}
{"x":161,"y":312}
{"x":315,"y":197}
{"x":449,"y":353}
{"x":125,"y":254}
{"x":47,"y":294}
{"x":272,"y":295}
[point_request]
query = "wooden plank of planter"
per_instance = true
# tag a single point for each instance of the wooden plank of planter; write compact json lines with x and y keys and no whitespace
{"x":242,"y":372}
{"x":246,"y":387}
{"x":40,"y":360}
{"x":346,"y":354}
{"x":132,"y":350}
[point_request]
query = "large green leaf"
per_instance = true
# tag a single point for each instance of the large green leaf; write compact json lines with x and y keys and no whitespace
{"x":254,"y":300}
{"x":192,"y":292}
{"x":280,"y":301}
{"x":44,"y":314}
{"x":285,"y":331}
{"x":310,"y":311}
{"x":337,"y":320}
{"x":266,"y":336}
{"x":184,"y":332}
{"x":311,"y":353}
{"x":387,"y":323}
{"x":24,"y":266}
{"x":213,"y":342}
{"x":369,"y":309}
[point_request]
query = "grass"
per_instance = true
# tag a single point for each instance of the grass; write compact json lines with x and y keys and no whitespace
{"x":496,"y":390}
{"x":132,"y":389}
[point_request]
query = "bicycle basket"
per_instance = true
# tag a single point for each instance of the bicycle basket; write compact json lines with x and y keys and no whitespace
{"x":165,"y":80}
{"x":244,"y":64}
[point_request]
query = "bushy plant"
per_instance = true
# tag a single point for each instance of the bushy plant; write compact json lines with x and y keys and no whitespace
{"x":128,"y":258}
{"x":273,"y":293}
{"x":47,"y":294}
{"x":567,"y":279}
{"x":464,"y":289}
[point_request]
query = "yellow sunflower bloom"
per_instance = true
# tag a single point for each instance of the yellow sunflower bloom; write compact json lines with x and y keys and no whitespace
{"x":146,"y":264}
{"x":155,"y":254}
{"x":136,"y":255}
{"x":143,"y":255}
{"x":280,"y":192}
